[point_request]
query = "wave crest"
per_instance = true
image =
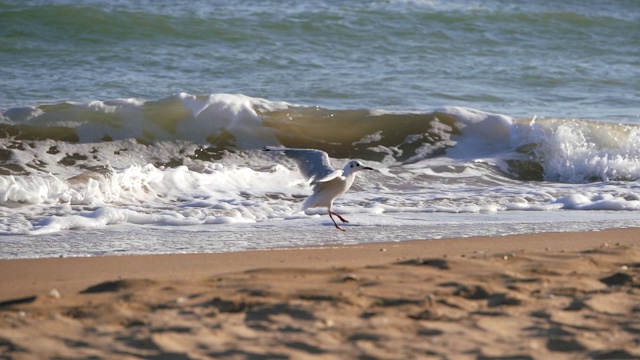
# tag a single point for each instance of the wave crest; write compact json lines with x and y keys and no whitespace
{"x":181,"y":128}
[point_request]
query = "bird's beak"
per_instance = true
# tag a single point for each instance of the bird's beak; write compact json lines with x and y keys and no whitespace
{"x":367,"y":168}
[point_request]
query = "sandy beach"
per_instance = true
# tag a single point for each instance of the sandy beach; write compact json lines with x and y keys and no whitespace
{"x":536,"y":296}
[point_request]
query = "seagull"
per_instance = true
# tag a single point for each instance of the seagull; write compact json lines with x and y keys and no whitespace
{"x":328,"y":182}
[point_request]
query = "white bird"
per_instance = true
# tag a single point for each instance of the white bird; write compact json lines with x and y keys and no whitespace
{"x":328,"y":182}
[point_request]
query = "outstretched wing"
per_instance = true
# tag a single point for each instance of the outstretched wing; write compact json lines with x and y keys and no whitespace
{"x":313,"y":164}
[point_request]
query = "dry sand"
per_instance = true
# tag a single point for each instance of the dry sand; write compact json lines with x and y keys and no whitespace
{"x":538,"y":296}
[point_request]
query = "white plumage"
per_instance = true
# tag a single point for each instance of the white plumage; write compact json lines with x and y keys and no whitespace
{"x":329,"y":183}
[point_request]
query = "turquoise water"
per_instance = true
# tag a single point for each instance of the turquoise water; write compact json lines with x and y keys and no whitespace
{"x":557,"y":59}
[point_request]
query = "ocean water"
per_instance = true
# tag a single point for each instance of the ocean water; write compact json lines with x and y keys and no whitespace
{"x":136,"y":127}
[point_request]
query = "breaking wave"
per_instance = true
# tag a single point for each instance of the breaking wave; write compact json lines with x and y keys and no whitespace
{"x":170,"y":132}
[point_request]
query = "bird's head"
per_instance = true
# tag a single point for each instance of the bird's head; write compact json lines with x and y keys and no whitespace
{"x":354,"y":166}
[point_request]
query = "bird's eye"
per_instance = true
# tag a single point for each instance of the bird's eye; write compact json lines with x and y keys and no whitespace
{"x":351,"y":165}
{"x":357,"y":164}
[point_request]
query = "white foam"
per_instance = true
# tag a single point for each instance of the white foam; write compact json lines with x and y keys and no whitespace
{"x":235,"y":114}
{"x":20,"y":114}
{"x":483,"y":133}
{"x":181,"y":116}
{"x":574,"y":151}
{"x":217,"y":194}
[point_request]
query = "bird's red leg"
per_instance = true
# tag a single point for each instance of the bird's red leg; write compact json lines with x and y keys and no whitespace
{"x":339,"y":217}
{"x":334,"y":222}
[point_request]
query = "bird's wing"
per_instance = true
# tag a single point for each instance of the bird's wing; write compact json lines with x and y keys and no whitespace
{"x":313,"y":164}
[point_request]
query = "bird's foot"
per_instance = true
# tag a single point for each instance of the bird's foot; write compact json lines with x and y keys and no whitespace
{"x":331,"y":213}
{"x":341,"y":218}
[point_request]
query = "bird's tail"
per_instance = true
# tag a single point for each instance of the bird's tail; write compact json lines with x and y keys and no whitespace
{"x":307,"y":203}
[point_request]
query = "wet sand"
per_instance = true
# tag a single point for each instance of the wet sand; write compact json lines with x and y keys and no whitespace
{"x":536,"y":296}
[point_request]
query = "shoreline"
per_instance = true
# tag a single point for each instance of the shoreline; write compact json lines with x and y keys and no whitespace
{"x":25,"y":276}
{"x":531,"y":296}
